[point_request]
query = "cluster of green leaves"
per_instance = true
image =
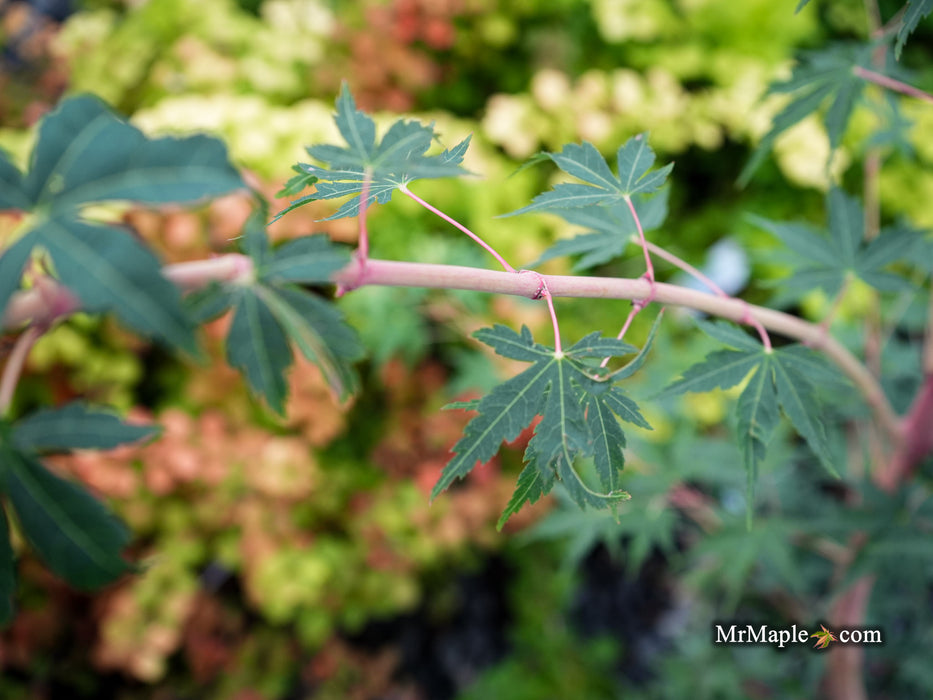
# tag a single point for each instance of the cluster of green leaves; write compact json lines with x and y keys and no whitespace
{"x":831,"y":76}
{"x":85,"y":155}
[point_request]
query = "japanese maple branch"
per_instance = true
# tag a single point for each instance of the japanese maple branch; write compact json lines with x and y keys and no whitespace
{"x":28,"y":306}
{"x":405,"y":274}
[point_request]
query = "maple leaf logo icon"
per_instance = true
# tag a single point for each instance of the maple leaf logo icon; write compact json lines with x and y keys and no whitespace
{"x":824,"y":638}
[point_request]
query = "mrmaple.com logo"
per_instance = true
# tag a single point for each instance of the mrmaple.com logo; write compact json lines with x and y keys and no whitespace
{"x":781,"y":637}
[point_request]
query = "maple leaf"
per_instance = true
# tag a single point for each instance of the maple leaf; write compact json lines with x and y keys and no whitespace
{"x":823,"y":638}
{"x":394,"y":161}
{"x":634,"y":159}
{"x":817,"y":77}
{"x":916,"y":11}
{"x":781,"y":380}
{"x":579,"y":408}
{"x":828,"y":262}
{"x":609,"y":229}
{"x":274,"y":309}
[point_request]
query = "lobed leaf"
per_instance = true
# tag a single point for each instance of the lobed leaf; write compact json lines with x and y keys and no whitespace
{"x":76,"y":426}
{"x":829,"y":262}
{"x":108,"y":270}
{"x":7,"y":570}
{"x":579,"y":419}
{"x":634,"y":159}
{"x":916,"y":11}
{"x":393,"y":162}
{"x":72,"y":532}
{"x":817,"y":77}
{"x":258,"y":347}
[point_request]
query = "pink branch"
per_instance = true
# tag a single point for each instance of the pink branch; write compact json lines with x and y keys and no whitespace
{"x":892,"y":84}
{"x":641,"y":238}
{"x":492,"y":251}
{"x":715,"y":288}
{"x":14,"y":366}
{"x":25,"y":305}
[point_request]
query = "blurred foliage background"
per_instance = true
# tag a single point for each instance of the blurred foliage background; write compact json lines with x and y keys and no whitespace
{"x":301,"y":558}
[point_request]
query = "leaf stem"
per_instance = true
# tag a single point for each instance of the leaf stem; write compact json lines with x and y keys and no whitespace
{"x":641,"y":237}
{"x":715,"y":288}
{"x":363,"y":243}
{"x":628,"y":322}
{"x":550,"y":307}
{"x":892,"y":84}
{"x":492,"y":251}
{"x":14,"y":366}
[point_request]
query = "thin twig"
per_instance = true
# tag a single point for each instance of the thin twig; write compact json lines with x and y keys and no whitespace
{"x":713,"y":287}
{"x":892,"y":84}
{"x":14,"y":366}
{"x":492,"y":251}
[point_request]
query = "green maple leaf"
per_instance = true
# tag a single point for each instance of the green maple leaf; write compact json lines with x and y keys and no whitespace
{"x":782,"y":380}
{"x":86,"y":154}
{"x":609,"y":226}
{"x":392,"y":162}
{"x":916,"y":11}
{"x":823,"y":638}
{"x":820,"y":76}
{"x":634,"y":160}
{"x":828,"y":261}
{"x":274,"y":309}
{"x":73,"y":533}
{"x":579,"y":412}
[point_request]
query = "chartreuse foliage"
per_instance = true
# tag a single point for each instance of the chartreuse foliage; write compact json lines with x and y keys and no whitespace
{"x":72,"y":532}
{"x":783,"y":379}
{"x":273,"y":309}
{"x":397,"y":159}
